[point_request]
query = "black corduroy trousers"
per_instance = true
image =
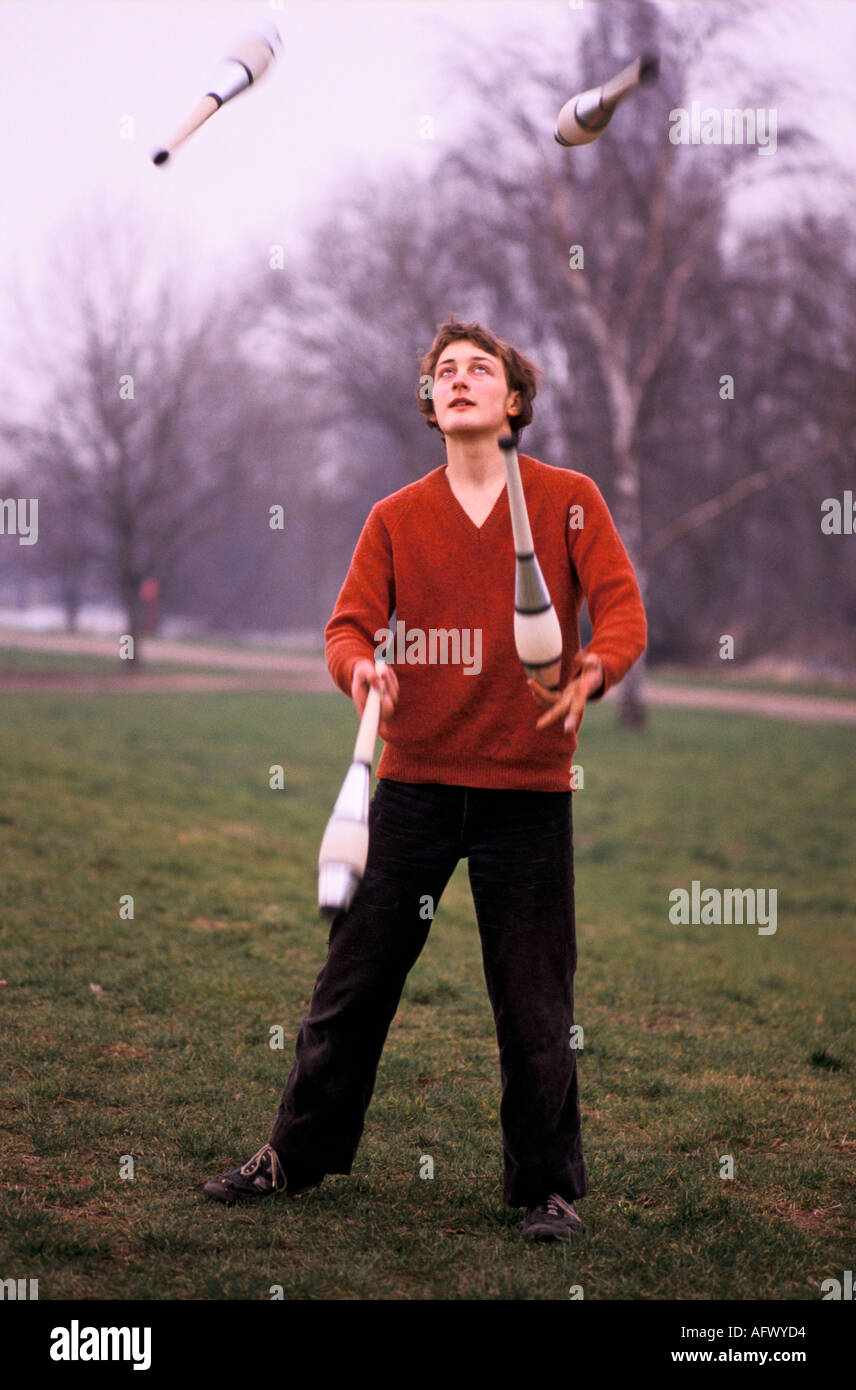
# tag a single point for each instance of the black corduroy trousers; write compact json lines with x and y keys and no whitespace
{"x":519,"y":847}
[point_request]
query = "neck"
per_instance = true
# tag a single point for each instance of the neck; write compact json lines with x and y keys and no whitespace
{"x":478,"y":462}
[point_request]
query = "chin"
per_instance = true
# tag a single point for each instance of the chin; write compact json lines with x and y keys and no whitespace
{"x":464,"y":424}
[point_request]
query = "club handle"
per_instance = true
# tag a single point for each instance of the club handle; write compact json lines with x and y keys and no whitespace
{"x":516,"y":500}
{"x":367,"y":734}
{"x":643,"y":69}
{"x":198,"y":116}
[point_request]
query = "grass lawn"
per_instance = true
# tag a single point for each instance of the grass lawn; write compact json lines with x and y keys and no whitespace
{"x":699,"y":1041}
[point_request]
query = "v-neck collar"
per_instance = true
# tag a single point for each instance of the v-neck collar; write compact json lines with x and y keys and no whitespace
{"x":462,"y":512}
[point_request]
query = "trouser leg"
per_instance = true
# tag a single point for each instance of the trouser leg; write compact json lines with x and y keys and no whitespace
{"x":520,"y":848}
{"x":413,"y":849}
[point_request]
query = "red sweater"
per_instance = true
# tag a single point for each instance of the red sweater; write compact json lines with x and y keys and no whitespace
{"x":422,"y":564}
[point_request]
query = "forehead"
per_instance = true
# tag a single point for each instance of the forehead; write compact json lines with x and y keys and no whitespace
{"x":462,"y":349}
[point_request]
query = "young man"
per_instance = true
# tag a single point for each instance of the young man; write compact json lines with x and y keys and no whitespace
{"x":469,"y":769}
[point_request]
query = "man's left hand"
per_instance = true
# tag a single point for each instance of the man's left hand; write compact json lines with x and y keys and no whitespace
{"x":570,"y":702}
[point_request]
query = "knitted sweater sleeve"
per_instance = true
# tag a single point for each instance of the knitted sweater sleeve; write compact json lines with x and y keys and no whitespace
{"x":365,"y":603}
{"x":619,"y":626}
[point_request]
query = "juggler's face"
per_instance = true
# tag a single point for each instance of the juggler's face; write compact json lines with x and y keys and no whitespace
{"x":470,"y":395}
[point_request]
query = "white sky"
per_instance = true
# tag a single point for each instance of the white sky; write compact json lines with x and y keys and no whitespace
{"x":348,"y":92}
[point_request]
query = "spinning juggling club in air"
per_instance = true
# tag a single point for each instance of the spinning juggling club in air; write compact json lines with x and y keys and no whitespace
{"x":537,"y":634}
{"x":345,"y":845}
{"x":247,"y":60}
{"x":585,"y":117}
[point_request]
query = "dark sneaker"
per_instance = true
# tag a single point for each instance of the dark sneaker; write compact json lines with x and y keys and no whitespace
{"x":261,"y":1176}
{"x":553,"y":1219}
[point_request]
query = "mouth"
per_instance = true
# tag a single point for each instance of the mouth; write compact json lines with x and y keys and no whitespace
{"x":461,"y":405}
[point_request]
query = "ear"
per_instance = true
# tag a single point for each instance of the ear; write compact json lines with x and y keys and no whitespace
{"x":513,"y":405}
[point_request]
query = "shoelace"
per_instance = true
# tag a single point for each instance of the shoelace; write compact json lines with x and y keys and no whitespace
{"x":555,"y":1204}
{"x":253,"y":1164}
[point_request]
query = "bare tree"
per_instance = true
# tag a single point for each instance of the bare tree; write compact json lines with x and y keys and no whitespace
{"x":136,"y":447}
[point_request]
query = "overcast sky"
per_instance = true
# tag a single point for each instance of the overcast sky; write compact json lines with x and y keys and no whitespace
{"x":348,"y":93}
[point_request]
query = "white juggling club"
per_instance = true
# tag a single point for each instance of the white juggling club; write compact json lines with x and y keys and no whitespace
{"x":584,"y":117}
{"x":247,"y":61}
{"x":537,"y":634}
{"x":345,"y":845}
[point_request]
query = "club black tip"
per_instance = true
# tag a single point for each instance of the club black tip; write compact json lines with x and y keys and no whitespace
{"x":160,"y":157}
{"x":649,"y":67}
{"x":508,"y":441}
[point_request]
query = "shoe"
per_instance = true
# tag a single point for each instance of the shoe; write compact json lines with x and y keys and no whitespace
{"x":261,"y":1176}
{"x":553,"y":1219}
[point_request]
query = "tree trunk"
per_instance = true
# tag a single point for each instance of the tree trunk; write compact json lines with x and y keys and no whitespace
{"x":71,"y":603}
{"x":633,"y":713}
{"x":133,"y":624}
{"x":613,"y":355}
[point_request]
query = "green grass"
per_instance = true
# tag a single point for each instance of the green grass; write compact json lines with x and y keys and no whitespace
{"x":699,"y":1041}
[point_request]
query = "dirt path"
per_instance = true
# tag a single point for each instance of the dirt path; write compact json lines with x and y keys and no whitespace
{"x":138,"y":683}
{"x":157,"y":651}
{"x":805,"y":709}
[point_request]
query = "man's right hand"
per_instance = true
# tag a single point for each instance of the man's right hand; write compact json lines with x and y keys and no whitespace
{"x":386,"y":681}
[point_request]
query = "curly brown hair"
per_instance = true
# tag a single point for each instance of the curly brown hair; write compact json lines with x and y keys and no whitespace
{"x":520,"y":374}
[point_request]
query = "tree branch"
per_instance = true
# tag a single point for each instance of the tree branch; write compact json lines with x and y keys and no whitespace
{"x":738,"y":492}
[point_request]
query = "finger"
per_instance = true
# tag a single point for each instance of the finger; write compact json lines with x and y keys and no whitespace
{"x":575,"y":714}
{"x":553,"y":715}
{"x":364,"y":684}
{"x":387,"y":687}
{"x":541,"y":693}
